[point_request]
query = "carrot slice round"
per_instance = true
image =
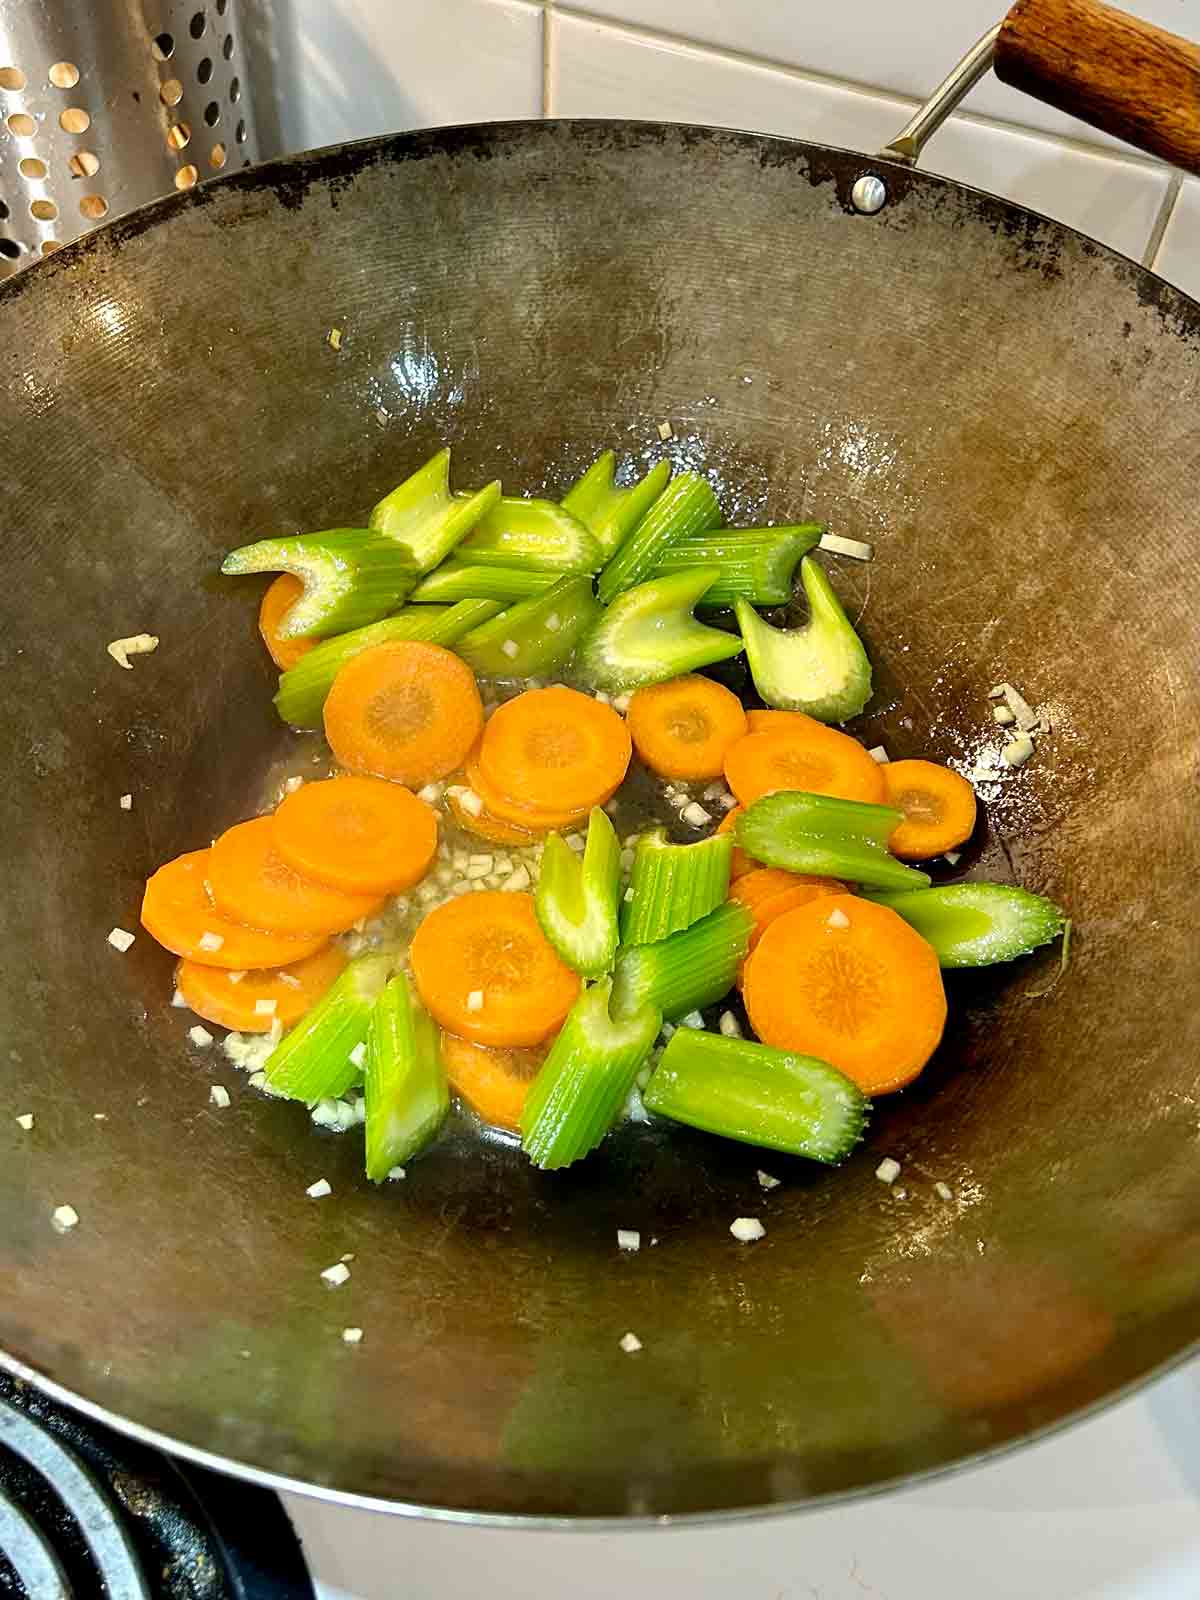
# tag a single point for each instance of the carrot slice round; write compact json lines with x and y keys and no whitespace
{"x":178,"y":911}
{"x":769,"y":892}
{"x":279,"y":599}
{"x":493,"y":1081}
{"x":408,"y":711}
{"x":537,"y":819}
{"x":213,"y":993}
{"x":555,"y":750}
{"x":682,"y":728}
{"x":252,"y":883}
{"x":486,"y":825}
{"x":851,"y":983}
{"x":740,"y":863}
{"x":359,"y":835}
{"x":938,"y":805}
{"x":775,"y":721}
{"x":808,"y":756}
{"x":487,"y":972}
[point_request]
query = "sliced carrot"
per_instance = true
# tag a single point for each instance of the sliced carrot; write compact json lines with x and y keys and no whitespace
{"x":487,"y":972}
{"x":276,"y":603}
{"x":741,"y":863}
{"x":774,"y":721}
{"x":682,"y":728}
{"x":769,"y":892}
{"x":244,"y":1000}
{"x":489,"y":826}
{"x":408,"y":711}
{"x":849,"y":982}
{"x":252,"y":883}
{"x":938,"y":807}
{"x":177,"y":910}
{"x":507,"y":809}
{"x":494,"y":1082}
{"x":555,"y":750}
{"x":359,"y":835}
{"x":808,"y":756}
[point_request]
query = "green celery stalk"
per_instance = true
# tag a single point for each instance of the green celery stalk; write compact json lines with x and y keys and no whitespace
{"x":461,"y":580}
{"x":687,"y":970}
{"x":405,"y":1084}
{"x":674,"y":885}
{"x":821,"y":837}
{"x":351,"y":576}
{"x":576,"y":900}
{"x":649,"y":634}
{"x":304,"y":687}
{"x":611,"y":513}
{"x":312,"y":1062}
{"x":757,"y":1095}
{"x":978,"y":924}
{"x":756,"y":564}
{"x":820,"y":668}
{"x":545,"y":631}
{"x":687,"y":506}
{"x":586,"y":1078}
{"x":426,"y":518}
{"x":532,"y":533}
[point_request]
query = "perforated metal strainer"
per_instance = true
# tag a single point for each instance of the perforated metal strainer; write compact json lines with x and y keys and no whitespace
{"x":106,"y":104}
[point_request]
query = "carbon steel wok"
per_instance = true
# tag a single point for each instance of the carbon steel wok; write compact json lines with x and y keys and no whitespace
{"x":1008,"y":411}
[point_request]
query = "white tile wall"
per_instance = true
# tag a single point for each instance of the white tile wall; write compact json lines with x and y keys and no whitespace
{"x":1178,"y":258}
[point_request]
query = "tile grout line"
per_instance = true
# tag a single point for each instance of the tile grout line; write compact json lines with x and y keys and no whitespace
{"x":1162,"y":220}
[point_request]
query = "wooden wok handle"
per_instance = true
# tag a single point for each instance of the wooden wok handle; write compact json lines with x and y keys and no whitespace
{"x":1121,"y":75}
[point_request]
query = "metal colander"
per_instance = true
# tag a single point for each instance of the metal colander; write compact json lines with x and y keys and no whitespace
{"x":106,"y":104}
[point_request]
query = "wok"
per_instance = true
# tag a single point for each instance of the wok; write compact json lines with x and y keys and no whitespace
{"x":1007,"y":410}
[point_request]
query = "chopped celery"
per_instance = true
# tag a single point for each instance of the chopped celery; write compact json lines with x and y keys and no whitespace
{"x":544,"y":631}
{"x":826,"y":838}
{"x":576,"y":900}
{"x":351,"y":576}
{"x":977,"y":924}
{"x":586,"y":1078}
{"x":674,"y":885}
{"x":687,"y":506}
{"x":820,"y":668}
{"x":611,"y":513}
{"x":686,"y":971}
{"x":426,"y":518}
{"x":757,"y":564}
{"x":462,"y":580}
{"x":312,"y":1062}
{"x":759,"y":1095}
{"x":532,"y":533}
{"x":406,"y":1091}
{"x":649,"y":634}
{"x":304,"y":687}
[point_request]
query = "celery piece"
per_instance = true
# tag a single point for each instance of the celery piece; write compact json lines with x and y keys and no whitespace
{"x":757,"y":1095}
{"x":426,"y":518}
{"x":826,"y":838}
{"x":544,"y":632}
{"x":537,"y":534}
{"x":820,"y":668}
{"x":674,"y":885}
{"x":649,"y":634}
{"x":461,"y":580}
{"x":611,"y":513}
{"x":312,"y":1062}
{"x":405,"y":1084}
{"x":576,"y":900}
{"x":351,"y":576}
{"x":978,"y":924}
{"x":687,"y":970}
{"x":304,"y":687}
{"x":757,"y":564}
{"x":586,"y":1078}
{"x":687,"y":506}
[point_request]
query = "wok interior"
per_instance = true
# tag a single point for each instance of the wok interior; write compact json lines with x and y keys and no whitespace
{"x":992,"y":400}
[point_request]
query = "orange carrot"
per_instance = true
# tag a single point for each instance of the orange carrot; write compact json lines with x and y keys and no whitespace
{"x":554,"y":750}
{"x":806,"y":756}
{"x":408,"y":711}
{"x":505,"y":808}
{"x":741,"y":862}
{"x":279,"y":599}
{"x":487,"y":825}
{"x":769,"y":892}
{"x":938,"y":807}
{"x":775,"y":721}
{"x":682,"y":728}
{"x":487,"y":972}
{"x":849,"y":982}
{"x":359,"y":835}
{"x":177,"y":910}
{"x":252,"y":883}
{"x":243,"y":1000}
{"x":493,"y":1082}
